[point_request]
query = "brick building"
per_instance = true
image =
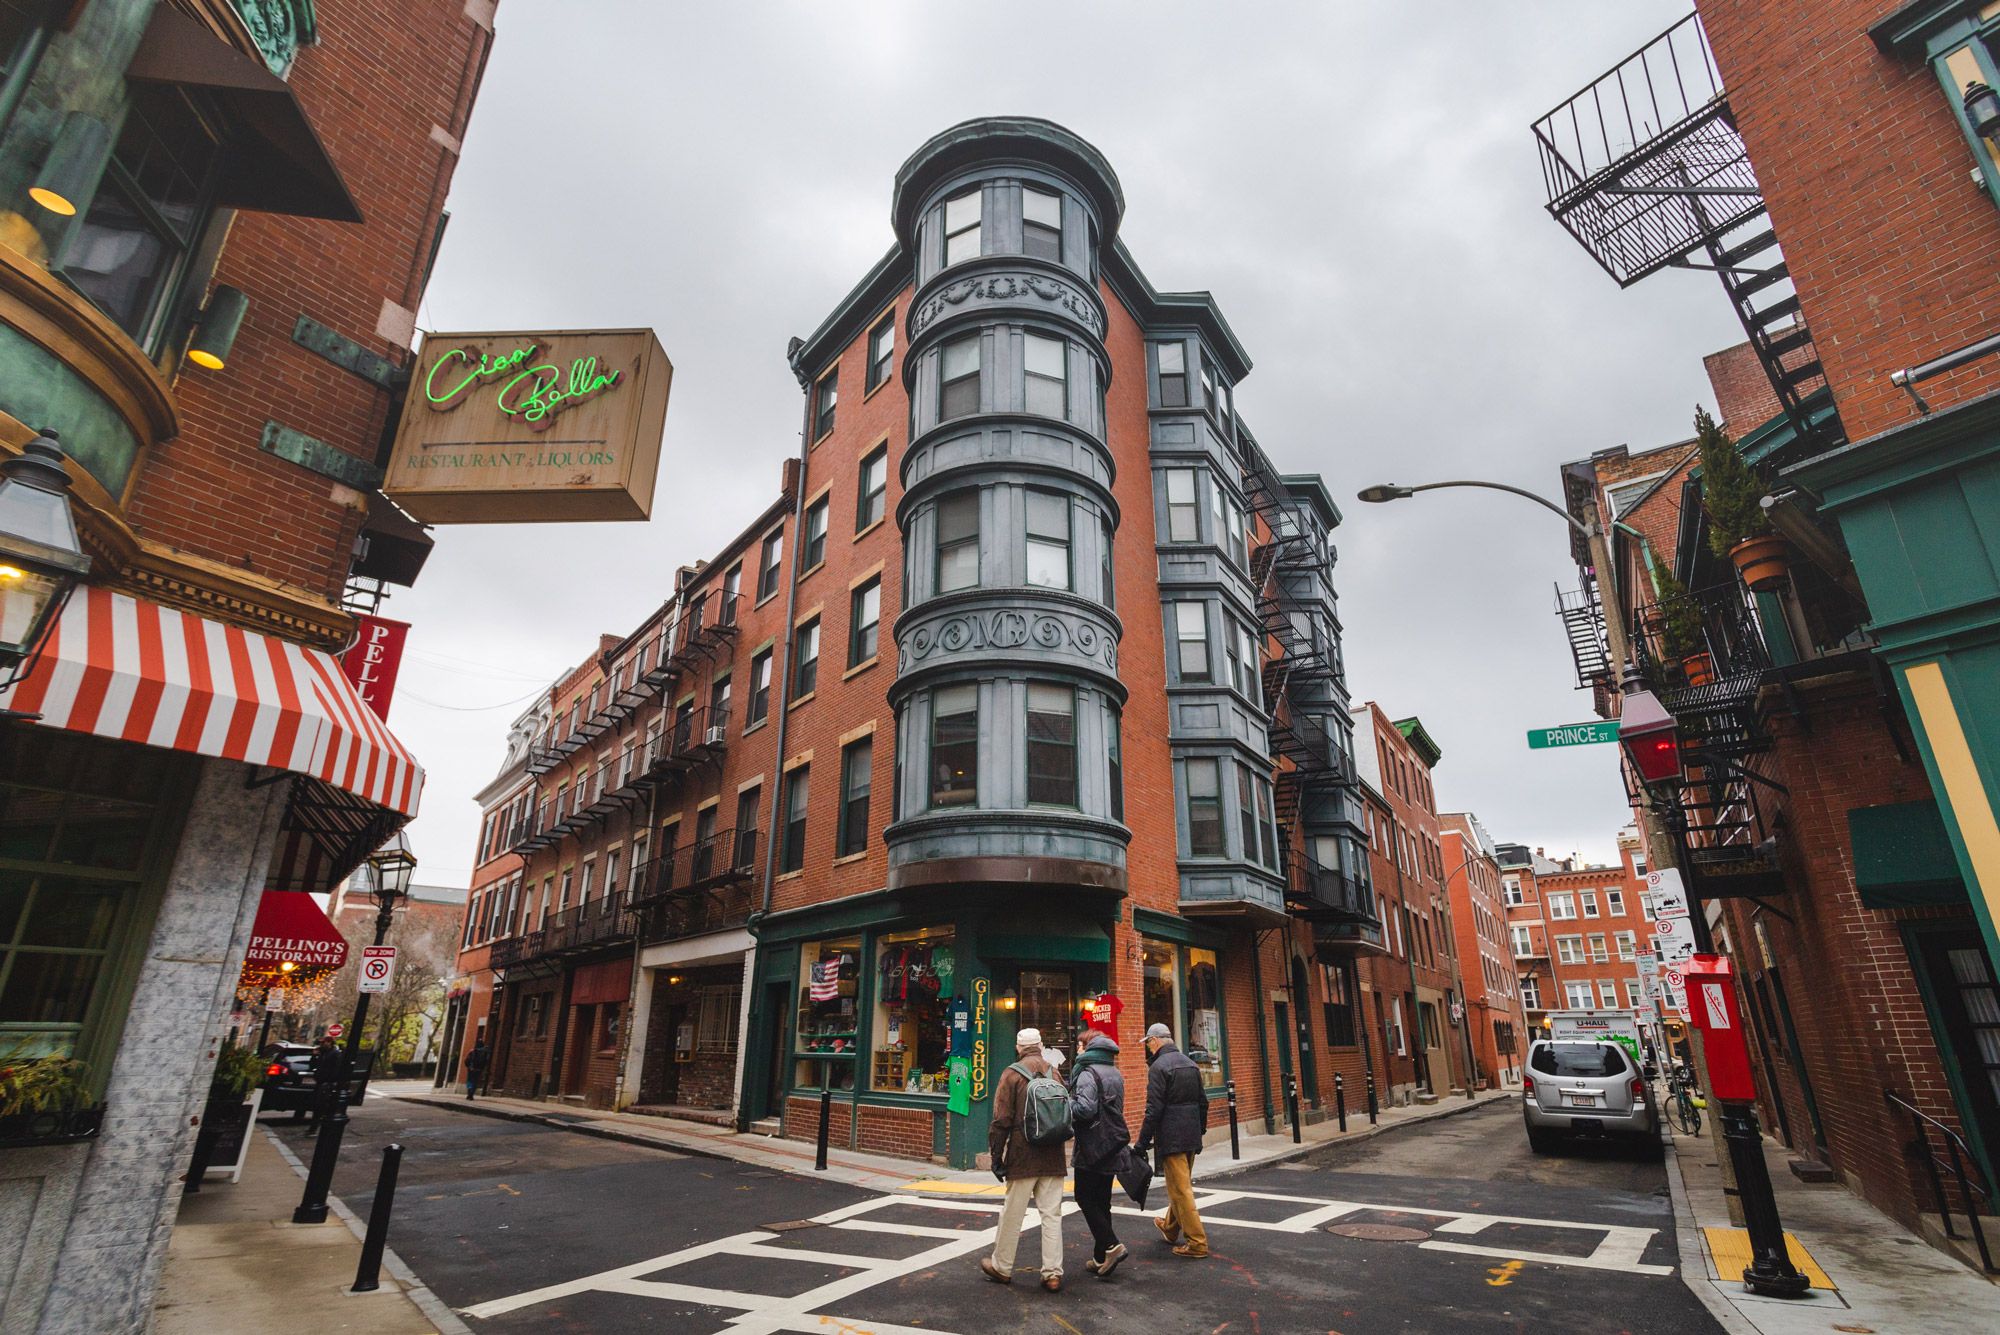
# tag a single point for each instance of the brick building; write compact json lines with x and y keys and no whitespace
{"x":1837,"y":718}
{"x":1495,"y":1018}
{"x":870,"y":763}
{"x":211,"y":249}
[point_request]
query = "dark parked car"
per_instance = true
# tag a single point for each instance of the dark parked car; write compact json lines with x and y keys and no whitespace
{"x":288,"y":1079}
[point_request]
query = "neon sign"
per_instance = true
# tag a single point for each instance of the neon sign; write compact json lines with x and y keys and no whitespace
{"x":532,"y":392}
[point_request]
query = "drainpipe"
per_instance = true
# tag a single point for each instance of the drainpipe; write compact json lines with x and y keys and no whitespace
{"x":1263,"y":1043}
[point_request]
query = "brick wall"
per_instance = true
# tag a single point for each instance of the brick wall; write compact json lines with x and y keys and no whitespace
{"x":1744,"y":399}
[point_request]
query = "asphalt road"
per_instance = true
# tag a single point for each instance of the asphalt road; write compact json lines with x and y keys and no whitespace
{"x":525,"y":1228}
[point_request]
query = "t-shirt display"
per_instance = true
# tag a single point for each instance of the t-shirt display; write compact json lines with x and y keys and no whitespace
{"x":913,"y":993}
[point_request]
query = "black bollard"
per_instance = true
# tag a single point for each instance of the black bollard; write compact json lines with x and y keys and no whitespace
{"x":825,"y":1125}
{"x":1235,"y":1139}
{"x":1292,"y":1105}
{"x":1340,"y":1101}
{"x":1770,"y":1272}
{"x":1372,"y":1108}
{"x":368,"y":1275}
{"x":326,"y":1153}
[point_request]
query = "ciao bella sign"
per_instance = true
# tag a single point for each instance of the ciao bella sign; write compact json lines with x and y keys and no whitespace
{"x":525,"y":427}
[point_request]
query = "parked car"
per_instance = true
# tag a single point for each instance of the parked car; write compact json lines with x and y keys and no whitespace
{"x":1584,"y":1088}
{"x":288,"y":1079}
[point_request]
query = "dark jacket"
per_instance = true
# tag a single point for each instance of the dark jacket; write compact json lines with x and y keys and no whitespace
{"x":475,"y":1060}
{"x":1097,"y":1107}
{"x":327,"y":1063}
{"x":1007,"y":1137}
{"x":1176,"y":1105}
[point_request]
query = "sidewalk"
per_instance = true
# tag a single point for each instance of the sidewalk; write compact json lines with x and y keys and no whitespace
{"x":237,"y":1262}
{"x":880,"y":1172}
{"x":1877,"y":1275}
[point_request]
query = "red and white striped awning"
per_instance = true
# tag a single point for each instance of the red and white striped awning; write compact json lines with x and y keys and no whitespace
{"x":122,"y":667}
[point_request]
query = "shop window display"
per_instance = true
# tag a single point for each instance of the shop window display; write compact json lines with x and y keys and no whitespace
{"x":1203,"y":1036}
{"x":1161,"y":976}
{"x":913,"y":989}
{"x":829,"y":1000}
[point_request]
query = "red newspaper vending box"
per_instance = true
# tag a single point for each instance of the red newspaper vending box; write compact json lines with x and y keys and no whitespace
{"x":1713,"y":1009}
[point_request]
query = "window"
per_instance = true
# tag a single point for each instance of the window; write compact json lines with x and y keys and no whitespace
{"x":1340,"y":1007}
{"x":1041,"y":224}
{"x":1204,"y":798}
{"x":955,"y":746}
{"x":805,"y":655}
{"x":1048,"y":540}
{"x":881,"y":350}
{"x":1045,"y":366}
{"x":584,"y":884}
{"x":1511,"y":892}
{"x":1633,"y":997}
{"x":1614,"y":903}
{"x":1241,"y":650}
{"x":1160,"y":984}
{"x":732,"y":585}
{"x":1246,"y":808}
{"x":1191,"y":638}
{"x":1562,"y":905}
{"x":1569,"y":949}
{"x":1646,"y":904}
{"x":1237,"y":530}
{"x":1589,"y":903}
{"x":958,"y":385}
{"x":770,"y":563}
{"x":745,"y":851}
{"x":1203,"y":1039}
{"x":1210,"y":398}
{"x":1396,"y":1042}
{"x":1607,"y":993}
{"x":611,"y":876}
{"x":961,"y":228}
{"x":760,"y":690}
{"x":717,"y":1014}
{"x":958,"y":540}
{"x":1524,"y":942}
{"x":1638,"y":862}
{"x":915,"y":980}
{"x":815,"y":539}
{"x":1531,"y":994}
{"x":1051,"y":745}
{"x":874,"y":491}
{"x":130,"y":248}
{"x":1115,"y":757}
{"x":1104,"y":560}
{"x":864,"y":622}
{"x":829,"y":1015}
{"x":1577,"y":996}
{"x":857,"y":770}
{"x":1628,"y":945}
{"x":718,"y":703}
{"x":1183,"y":510}
{"x":826,"y":395}
{"x":794,"y":845}
{"x":1173,"y":374}
{"x":1580,"y":1061}
{"x":1598,"y":953}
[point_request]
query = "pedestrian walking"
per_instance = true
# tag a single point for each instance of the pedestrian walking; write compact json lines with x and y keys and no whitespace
{"x":1103,"y":1144}
{"x":328,"y":1065}
{"x":1176,"y":1117}
{"x":475,"y":1066}
{"x":1030,"y":1164}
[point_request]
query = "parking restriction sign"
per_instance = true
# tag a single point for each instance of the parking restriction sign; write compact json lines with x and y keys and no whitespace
{"x":378,"y":966}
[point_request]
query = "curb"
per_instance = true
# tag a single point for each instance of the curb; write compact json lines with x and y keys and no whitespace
{"x":1231,"y":1168}
{"x":433,"y":1307}
{"x":1694,"y":1259}
{"x":556,"y":1124}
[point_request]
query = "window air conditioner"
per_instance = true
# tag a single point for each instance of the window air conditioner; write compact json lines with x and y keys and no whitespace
{"x":714,"y":736}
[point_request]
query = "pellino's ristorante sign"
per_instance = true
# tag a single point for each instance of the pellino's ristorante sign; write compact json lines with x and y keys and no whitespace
{"x":522,"y":427}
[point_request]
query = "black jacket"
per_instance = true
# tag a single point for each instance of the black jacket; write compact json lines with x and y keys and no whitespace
{"x":475,"y":1060}
{"x":1097,"y":1109}
{"x":1176,"y":1105}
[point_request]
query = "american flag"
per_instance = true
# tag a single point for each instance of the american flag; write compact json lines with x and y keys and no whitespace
{"x":826,"y":980}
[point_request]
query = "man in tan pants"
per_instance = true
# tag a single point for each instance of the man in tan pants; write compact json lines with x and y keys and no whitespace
{"x":1176,"y":1118}
{"x":1031,"y":1172}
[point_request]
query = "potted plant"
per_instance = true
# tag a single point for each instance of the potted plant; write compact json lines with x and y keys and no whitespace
{"x":1733,"y":496}
{"x":234,"y":1091}
{"x":46,"y":1100}
{"x":1680,"y":625}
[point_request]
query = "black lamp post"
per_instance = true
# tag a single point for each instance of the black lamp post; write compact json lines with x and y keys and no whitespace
{"x":390,"y":867}
{"x":41,"y":561}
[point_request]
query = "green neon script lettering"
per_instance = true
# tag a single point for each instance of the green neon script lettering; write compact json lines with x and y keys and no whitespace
{"x":540,"y":392}
{"x":487,"y":368}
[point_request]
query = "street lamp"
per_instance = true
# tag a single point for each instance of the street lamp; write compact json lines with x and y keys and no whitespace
{"x":1650,"y":738}
{"x":41,"y":561}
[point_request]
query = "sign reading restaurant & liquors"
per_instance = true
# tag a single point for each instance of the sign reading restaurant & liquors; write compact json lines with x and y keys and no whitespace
{"x":557,"y":426}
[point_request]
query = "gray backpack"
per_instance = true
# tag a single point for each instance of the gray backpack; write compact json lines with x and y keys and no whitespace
{"x":1045,"y":1114}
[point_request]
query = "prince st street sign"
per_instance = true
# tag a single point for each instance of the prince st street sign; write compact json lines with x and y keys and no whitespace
{"x":1573,"y":734}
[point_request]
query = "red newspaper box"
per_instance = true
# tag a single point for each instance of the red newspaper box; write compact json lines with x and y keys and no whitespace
{"x":1712,"y":1008}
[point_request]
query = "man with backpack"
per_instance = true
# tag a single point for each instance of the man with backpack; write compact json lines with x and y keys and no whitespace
{"x":1176,"y":1118}
{"x":1031,"y":1123}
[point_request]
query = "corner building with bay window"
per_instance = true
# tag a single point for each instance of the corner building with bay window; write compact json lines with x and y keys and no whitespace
{"x":1058,"y":706}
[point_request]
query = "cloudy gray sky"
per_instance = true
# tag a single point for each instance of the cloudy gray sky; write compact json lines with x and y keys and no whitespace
{"x":1355,"y":182}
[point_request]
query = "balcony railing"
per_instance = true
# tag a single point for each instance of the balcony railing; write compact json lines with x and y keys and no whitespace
{"x":1316,"y":753}
{"x":706,"y":886}
{"x":601,"y":921}
{"x":693,"y":738}
{"x":1327,"y":894}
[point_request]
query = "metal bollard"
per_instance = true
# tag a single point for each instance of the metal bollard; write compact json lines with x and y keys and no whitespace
{"x":1235,"y":1140}
{"x":1292,"y":1105}
{"x":825,"y":1124}
{"x":368,"y":1274}
{"x":326,"y":1153}
{"x":1372,"y":1106}
{"x":1770,"y":1271}
{"x":1340,"y":1100}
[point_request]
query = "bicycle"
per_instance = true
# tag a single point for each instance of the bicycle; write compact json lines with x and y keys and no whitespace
{"x":1684,"y":1101}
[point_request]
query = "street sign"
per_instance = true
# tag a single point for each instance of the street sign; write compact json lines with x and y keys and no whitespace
{"x":1675,"y":978}
{"x":1669,"y":895}
{"x":335,"y":1030}
{"x":1673,"y":939}
{"x":1573,"y":734}
{"x":378,"y":966}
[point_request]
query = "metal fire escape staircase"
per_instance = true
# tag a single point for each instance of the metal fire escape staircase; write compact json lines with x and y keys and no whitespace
{"x":1645,"y":168}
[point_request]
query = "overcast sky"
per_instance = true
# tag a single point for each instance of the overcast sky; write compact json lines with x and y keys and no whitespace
{"x":1356,"y":184}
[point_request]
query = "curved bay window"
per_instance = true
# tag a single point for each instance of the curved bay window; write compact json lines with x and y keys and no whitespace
{"x":829,"y":1027}
{"x":955,"y":746}
{"x":910,"y":1044}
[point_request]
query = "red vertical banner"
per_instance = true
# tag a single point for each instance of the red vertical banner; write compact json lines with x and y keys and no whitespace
{"x":372,"y":662}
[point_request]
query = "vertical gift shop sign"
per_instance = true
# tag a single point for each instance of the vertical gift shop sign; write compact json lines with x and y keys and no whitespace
{"x":554,"y":427}
{"x":374,"y":659}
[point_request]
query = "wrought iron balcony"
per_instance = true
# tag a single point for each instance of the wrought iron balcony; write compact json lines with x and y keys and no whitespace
{"x":1315,"y":750}
{"x":515,"y":949}
{"x":1326,"y":894}
{"x":697,"y":737}
{"x":706,"y":886}
{"x":598,"y":922}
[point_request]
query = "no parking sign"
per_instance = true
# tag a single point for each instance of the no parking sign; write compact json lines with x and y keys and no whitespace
{"x":378,"y":966}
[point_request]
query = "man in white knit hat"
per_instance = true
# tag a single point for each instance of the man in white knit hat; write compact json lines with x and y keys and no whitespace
{"x":1031,"y":1172}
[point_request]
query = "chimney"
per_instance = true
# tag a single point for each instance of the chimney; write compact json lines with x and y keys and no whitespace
{"x":1540,"y":851}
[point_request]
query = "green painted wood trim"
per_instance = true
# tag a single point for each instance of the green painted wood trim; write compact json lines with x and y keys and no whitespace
{"x":1045,"y":949}
{"x":1169,"y":927}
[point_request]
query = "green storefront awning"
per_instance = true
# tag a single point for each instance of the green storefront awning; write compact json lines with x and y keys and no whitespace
{"x":1903,"y":858}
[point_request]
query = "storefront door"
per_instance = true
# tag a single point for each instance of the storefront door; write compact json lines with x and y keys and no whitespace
{"x":1048,"y":1002}
{"x":576,"y":1070}
{"x":1964,"y":999}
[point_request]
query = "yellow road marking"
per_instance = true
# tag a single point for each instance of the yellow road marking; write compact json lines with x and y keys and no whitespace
{"x":945,"y":1187}
{"x":1503,"y":1275}
{"x":1731,"y":1249}
{"x":1065,"y":1325}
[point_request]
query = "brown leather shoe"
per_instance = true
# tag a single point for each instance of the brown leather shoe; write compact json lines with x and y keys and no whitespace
{"x":1167,"y":1231}
{"x":1053,"y":1283}
{"x":1186,"y":1250}
{"x":994,"y":1272}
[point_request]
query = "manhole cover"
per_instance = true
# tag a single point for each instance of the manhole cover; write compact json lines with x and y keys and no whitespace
{"x":790,"y":1225}
{"x":1379,"y":1232}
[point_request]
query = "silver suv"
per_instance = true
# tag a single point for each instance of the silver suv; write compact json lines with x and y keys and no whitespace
{"x":1584,"y":1088}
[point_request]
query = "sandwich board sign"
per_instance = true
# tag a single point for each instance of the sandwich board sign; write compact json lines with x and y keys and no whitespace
{"x":378,"y":967}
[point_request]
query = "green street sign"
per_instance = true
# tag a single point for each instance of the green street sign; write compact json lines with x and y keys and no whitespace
{"x":1573,"y":734}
